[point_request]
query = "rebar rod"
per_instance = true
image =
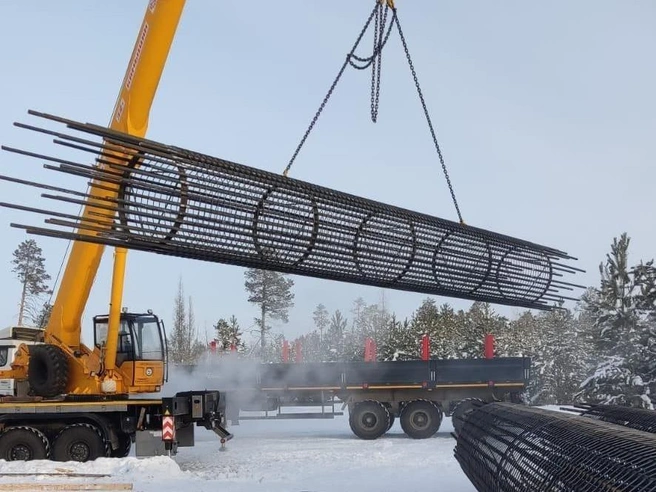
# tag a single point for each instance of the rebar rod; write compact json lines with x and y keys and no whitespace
{"x":177,"y":202}
{"x":636,"y":418}
{"x":510,"y":447}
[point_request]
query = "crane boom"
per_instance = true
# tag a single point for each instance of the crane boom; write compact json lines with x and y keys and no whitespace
{"x":130,"y":115}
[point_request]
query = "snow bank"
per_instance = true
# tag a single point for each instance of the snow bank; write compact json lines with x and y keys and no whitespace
{"x":277,"y":456}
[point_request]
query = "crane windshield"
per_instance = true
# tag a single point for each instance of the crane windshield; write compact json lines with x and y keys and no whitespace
{"x":139,"y":337}
{"x":147,"y":338}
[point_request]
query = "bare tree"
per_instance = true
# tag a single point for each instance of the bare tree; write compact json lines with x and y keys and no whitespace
{"x":185,"y":346}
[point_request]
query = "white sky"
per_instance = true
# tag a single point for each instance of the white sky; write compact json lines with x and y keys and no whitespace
{"x":546,"y":115}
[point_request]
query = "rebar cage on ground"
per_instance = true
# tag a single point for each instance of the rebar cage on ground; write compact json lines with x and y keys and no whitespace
{"x":636,"y":418}
{"x":511,"y":447}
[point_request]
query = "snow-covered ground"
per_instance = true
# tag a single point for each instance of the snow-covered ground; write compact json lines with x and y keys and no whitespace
{"x":276,"y":456}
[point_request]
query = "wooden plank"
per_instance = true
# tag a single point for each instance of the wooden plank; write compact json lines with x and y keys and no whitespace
{"x":56,"y":474}
{"x":63,"y":486}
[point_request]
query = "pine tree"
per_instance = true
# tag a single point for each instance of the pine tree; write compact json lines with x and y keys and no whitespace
{"x":623,"y":312}
{"x":335,"y":337}
{"x":480,"y":320}
{"x":272,"y":352}
{"x":399,"y":342}
{"x":228,"y":334}
{"x":559,"y":360}
{"x":358,"y":312}
{"x":321,"y":321}
{"x":271,"y":292}
{"x":310,"y":347}
{"x":29,"y":267}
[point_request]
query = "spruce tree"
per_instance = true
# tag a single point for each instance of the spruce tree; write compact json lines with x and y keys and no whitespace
{"x":335,"y":337}
{"x":622,"y":309}
{"x":399,"y":342}
{"x":228,"y":334}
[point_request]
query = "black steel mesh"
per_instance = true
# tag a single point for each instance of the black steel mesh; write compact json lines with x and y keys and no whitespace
{"x":510,"y":447}
{"x":635,"y":418}
{"x":177,"y":202}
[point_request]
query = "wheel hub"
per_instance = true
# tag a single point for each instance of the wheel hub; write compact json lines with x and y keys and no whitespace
{"x":420,"y":420}
{"x":21,"y":452}
{"x":79,"y":451}
{"x":369,"y":420}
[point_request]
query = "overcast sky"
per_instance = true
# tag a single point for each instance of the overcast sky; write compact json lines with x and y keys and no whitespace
{"x":546,"y":113}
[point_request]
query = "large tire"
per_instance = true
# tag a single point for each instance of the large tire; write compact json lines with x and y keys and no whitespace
{"x":421,"y":419}
{"x":391,"y":421}
{"x":462,"y":411}
{"x":79,"y":442}
{"x":369,"y":419}
{"x":23,"y":444}
{"x":47,"y":372}
{"x":124,"y":445}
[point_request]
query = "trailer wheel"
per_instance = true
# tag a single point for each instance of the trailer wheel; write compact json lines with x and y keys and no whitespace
{"x":79,"y":442}
{"x":462,"y":411}
{"x":369,"y":419}
{"x":47,"y":372}
{"x":391,"y":420}
{"x":124,"y":445}
{"x":23,"y":444}
{"x":421,"y":419}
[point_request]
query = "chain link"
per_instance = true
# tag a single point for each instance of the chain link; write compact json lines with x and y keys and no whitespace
{"x":374,"y":61}
{"x":332,"y":88}
{"x":428,"y":120}
{"x":379,"y":31}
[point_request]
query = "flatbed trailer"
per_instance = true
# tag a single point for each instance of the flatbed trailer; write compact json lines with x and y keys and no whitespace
{"x":79,"y":428}
{"x":417,"y":392}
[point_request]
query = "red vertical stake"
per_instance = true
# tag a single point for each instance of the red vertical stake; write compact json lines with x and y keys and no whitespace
{"x":285,"y":351}
{"x":425,"y":347}
{"x":370,"y":349}
{"x":489,"y":346}
{"x":299,"y":352}
{"x":367,"y":349}
{"x":213,"y":346}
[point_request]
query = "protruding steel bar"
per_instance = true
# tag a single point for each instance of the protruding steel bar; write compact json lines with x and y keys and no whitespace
{"x":509,"y":447}
{"x":178,"y":202}
{"x":636,"y":418}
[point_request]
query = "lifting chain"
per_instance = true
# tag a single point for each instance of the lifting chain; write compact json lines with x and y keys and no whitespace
{"x":382,"y":33}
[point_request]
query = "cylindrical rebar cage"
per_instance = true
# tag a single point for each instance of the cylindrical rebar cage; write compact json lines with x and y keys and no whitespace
{"x":636,"y":418}
{"x":178,"y":202}
{"x":514,"y":448}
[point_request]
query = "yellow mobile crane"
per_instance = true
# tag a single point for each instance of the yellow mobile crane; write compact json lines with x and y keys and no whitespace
{"x":79,"y":406}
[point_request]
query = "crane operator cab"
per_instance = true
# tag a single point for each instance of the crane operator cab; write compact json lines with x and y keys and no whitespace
{"x":140,"y":352}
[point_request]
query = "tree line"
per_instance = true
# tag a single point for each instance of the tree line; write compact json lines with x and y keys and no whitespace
{"x":601,"y":350}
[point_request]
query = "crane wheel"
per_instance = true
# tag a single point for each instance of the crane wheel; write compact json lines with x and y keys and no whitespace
{"x":47,"y":372}
{"x":421,"y":419}
{"x":23,"y":444}
{"x":369,"y":419}
{"x":124,"y":445}
{"x":79,"y":442}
